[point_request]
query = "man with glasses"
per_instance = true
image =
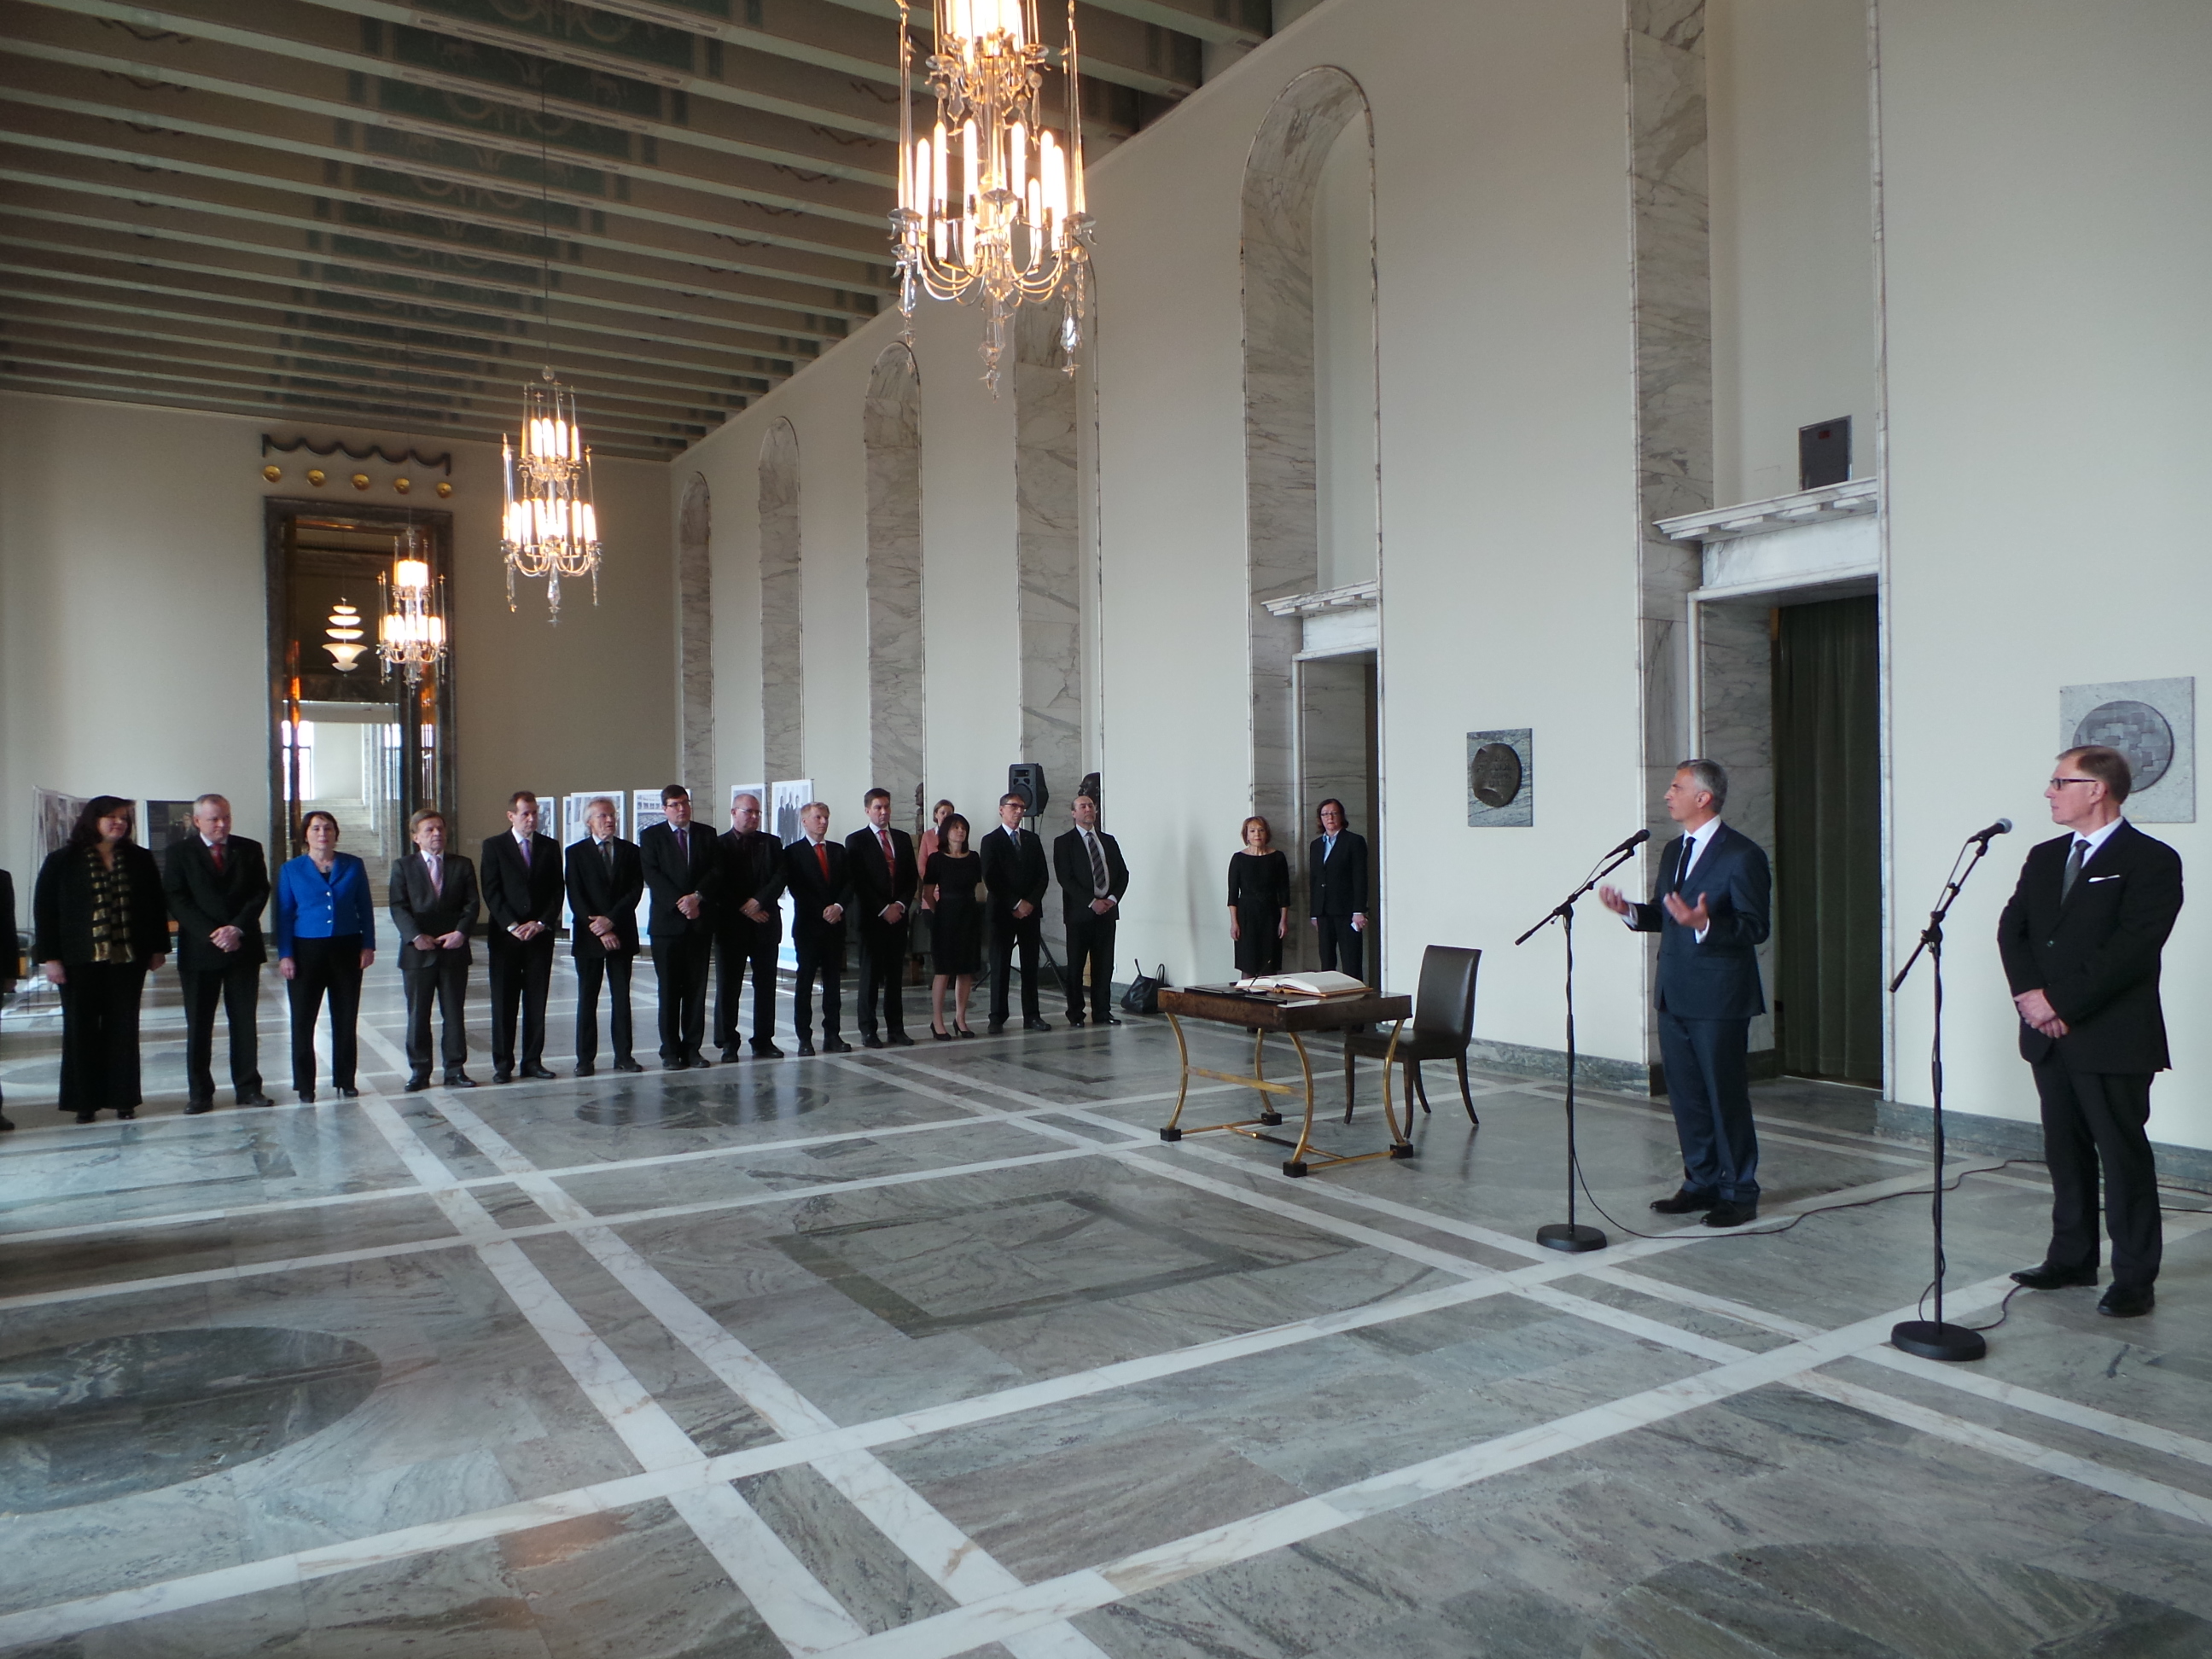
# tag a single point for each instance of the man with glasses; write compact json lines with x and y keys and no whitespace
{"x":2081,"y":940}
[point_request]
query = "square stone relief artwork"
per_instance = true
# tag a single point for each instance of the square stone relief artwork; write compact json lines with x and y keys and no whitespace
{"x":1501,"y":778}
{"x":2154,"y":724}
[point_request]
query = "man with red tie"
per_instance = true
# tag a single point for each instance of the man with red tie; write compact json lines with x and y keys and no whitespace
{"x":217,"y":885}
{"x":682,"y":872}
{"x":817,"y":876}
{"x":883,"y":882}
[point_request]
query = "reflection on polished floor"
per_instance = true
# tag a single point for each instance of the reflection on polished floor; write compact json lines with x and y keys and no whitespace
{"x":941,"y":1351}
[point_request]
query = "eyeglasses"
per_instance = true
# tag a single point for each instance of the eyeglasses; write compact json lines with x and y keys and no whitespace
{"x":2060,"y":783}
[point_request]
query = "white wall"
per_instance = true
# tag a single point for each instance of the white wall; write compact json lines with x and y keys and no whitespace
{"x":2049,"y":222}
{"x":1345,"y":482}
{"x":133,"y":626}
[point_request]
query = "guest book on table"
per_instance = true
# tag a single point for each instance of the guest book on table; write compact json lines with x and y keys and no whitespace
{"x":1307,"y":985}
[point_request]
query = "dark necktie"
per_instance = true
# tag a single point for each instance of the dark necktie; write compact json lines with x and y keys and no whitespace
{"x":525,"y":846}
{"x":821,"y":857}
{"x":890,"y":863}
{"x":1098,"y":882}
{"x":607,"y":853}
{"x":215,"y":852}
{"x":2073,"y":869}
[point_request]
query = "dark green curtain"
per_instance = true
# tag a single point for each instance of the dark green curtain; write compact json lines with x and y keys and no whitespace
{"x":1827,"y":840}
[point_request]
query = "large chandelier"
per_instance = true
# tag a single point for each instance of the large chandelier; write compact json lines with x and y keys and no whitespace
{"x":990,"y":205}
{"x":411,"y":633}
{"x":551,"y":529}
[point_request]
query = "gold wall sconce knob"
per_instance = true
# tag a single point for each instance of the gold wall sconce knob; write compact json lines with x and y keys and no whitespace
{"x":272,"y":473}
{"x":403,"y":485}
{"x":444,"y":491}
{"x":360,"y":481}
{"x":317,"y":476}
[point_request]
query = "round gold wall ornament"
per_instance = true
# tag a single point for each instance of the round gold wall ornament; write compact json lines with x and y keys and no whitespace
{"x":317,"y":476}
{"x":272,"y":473}
{"x":445,"y":489}
{"x":360,"y":481}
{"x":403,"y":485}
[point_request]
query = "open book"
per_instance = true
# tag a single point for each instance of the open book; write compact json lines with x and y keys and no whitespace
{"x":1307,"y":985}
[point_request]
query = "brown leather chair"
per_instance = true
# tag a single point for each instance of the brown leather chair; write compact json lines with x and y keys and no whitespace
{"x":1443,"y":1025}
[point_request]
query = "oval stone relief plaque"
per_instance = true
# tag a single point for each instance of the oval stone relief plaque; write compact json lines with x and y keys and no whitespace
{"x":2137,"y":731}
{"x":1493,"y":776}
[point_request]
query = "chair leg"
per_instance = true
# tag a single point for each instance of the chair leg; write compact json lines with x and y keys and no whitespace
{"x":1413,"y":1088}
{"x":1466,"y":1098}
{"x":1348,"y":1058}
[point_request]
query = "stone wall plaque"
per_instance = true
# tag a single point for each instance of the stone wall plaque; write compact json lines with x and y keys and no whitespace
{"x":1501,"y":778}
{"x":2154,"y":724}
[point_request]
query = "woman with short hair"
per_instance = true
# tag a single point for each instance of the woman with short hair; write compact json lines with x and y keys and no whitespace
{"x":101,"y":925}
{"x":325,"y":940}
{"x":950,"y":881}
{"x":1259,"y":901}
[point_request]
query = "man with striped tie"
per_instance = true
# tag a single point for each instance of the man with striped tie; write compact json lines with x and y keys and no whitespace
{"x":1092,"y":879}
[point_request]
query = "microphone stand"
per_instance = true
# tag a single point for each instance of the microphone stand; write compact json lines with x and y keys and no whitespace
{"x":1571,"y":1235}
{"x":1932,"y":1339}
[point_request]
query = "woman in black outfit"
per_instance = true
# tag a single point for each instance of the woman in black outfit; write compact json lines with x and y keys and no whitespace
{"x":1259,"y":901}
{"x":955,"y":926}
{"x":102,"y":926}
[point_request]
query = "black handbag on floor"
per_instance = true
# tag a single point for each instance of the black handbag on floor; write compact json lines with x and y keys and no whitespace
{"x":1143,"y":996}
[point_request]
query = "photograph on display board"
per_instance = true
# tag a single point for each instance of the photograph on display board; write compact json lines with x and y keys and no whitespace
{"x":573,"y":828}
{"x":56,"y":816}
{"x":166,"y":824}
{"x":786,"y":798}
{"x":759,"y":791}
{"x":645,"y":811}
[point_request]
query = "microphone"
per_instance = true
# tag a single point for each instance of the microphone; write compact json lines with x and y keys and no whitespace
{"x":1642,"y":836}
{"x":2001,"y":827}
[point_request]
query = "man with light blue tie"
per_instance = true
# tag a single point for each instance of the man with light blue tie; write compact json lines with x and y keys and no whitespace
{"x":1336,"y":883}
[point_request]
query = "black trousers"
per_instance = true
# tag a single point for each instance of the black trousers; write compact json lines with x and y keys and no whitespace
{"x":682,"y":964}
{"x":521,"y":973}
{"x":1343,"y":947}
{"x":1090,"y":944}
{"x":1709,"y":1089}
{"x":883,"y":968}
{"x":821,"y":955}
{"x":438,"y":978}
{"x":747,"y":943}
{"x":99,"y":1036}
{"x":321,"y":968}
{"x":1008,"y":930}
{"x":234,"y":989}
{"x":590,"y":972}
{"x":2092,"y":1118}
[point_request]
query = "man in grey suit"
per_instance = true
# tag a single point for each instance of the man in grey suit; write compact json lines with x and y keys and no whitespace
{"x":433,"y":903}
{"x":1710,"y":914}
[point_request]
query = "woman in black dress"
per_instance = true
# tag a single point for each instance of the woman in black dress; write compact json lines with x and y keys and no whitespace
{"x":1259,"y":901}
{"x":102,"y":926}
{"x":949,"y":884}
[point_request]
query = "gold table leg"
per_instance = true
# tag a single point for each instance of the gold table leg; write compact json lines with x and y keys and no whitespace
{"x":1182,"y":1081}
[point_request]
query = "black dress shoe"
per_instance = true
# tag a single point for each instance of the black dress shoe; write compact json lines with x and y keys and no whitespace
{"x":1035,"y":1025}
{"x":679,"y":1063}
{"x":1725,"y":1214}
{"x":255,"y":1097}
{"x":1074,"y":1022}
{"x":1684,"y":1202}
{"x":995,"y":1027}
{"x":806,"y":1048}
{"x":766,"y":1051}
{"x":836,"y":1046}
{"x":543,"y":1073}
{"x":459,"y":1080}
{"x":125,"y":1113}
{"x":6,"y":1123}
{"x":626,"y":1064}
{"x":587,"y":1069}
{"x":503,"y":1075}
{"x":192,"y":1109}
{"x":699,"y":1061}
{"x":307,"y":1096}
{"x":901,"y":1040}
{"x":942,"y":1036}
{"x":2127,"y":1301}
{"x":416,"y":1084}
{"x":962,"y":1030}
{"x":871,"y":1040}
{"x":346,"y":1091}
{"x":87,"y":1117}
{"x":1108,"y":1020}
{"x":2048,"y":1278}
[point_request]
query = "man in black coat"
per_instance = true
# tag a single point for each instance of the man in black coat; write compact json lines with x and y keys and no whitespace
{"x":1092,"y":878}
{"x":522,"y":890}
{"x":1712,"y":914}
{"x":682,"y":872}
{"x":217,"y":885}
{"x":1015,"y":876}
{"x":2081,"y":940}
{"x":11,"y":957}
{"x":817,"y":871}
{"x":606,"y":878}
{"x":1336,"y":879}
{"x":433,"y":899}
{"x":881,"y":861}
{"x":749,"y":929}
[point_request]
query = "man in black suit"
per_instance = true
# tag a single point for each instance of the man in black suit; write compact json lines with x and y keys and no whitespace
{"x":217,"y":885}
{"x":2081,"y":940}
{"x":433,"y":903}
{"x":1092,"y":879}
{"x":683,"y":873}
{"x":1015,"y":876}
{"x":881,"y":859}
{"x":818,"y":872}
{"x":522,"y":890}
{"x":1336,"y":879}
{"x":11,"y":956}
{"x":749,"y":929}
{"x":1711,"y":915}
{"x":606,"y":878}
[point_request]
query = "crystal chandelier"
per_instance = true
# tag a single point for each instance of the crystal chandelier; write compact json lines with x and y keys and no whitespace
{"x":990,"y":204}
{"x":551,"y":529}
{"x":411,"y":637}
{"x":345,"y":634}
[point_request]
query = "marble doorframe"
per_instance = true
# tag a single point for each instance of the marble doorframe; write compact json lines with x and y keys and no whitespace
{"x":890,"y":440}
{"x":783,"y":703}
{"x":694,"y":635}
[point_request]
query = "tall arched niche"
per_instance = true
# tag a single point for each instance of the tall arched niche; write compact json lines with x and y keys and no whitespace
{"x":1047,"y":551}
{"x":694,"y":635}
{"x":783,"y":703}
{"x":890,"y":433}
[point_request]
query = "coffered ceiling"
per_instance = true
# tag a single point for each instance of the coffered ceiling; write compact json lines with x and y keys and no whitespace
{"x":329,"y":211}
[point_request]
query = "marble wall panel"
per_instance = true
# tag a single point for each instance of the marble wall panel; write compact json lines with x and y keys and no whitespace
{"x":1336,"y":754}
{"x":783,"y":708}
{"x":1047,"y":555}
{"x":695,"y":633}
{"x":891,"y":432}
{"x":1736,"y":692}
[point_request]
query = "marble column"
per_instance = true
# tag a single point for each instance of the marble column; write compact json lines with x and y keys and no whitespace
{"x":694,"y":635}
{"x":1048,"y":564}
{"x":890,"y":434}
{"x":783,"y":708}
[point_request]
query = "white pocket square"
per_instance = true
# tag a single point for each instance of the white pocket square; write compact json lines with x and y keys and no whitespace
{"x":2093,"y":880}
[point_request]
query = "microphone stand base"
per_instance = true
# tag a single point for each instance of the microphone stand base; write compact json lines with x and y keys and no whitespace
{"x":1928,"y":1339}
{"x":1570,"y":1237}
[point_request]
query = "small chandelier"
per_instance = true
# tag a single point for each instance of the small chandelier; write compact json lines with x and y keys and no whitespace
{"x":551,"y":529}
{"x":1002,"y":223}
{"x":411,"y":638}
{"x":345,"y":634}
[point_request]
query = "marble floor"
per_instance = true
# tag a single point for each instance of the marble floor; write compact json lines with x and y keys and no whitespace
{"x":942,"y":1351}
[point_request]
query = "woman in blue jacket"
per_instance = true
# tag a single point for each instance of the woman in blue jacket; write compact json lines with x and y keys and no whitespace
{"x":325,"y":939}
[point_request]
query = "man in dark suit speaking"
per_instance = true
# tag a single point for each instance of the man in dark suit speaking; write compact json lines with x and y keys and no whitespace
{"x":2081,"y":940}
{"x":1710,"y":915}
